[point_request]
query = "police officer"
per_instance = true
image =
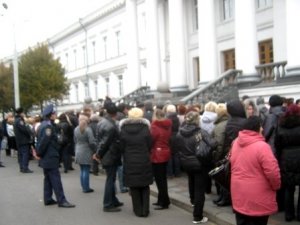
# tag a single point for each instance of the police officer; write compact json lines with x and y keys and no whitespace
{"x":48,"y":152}
{"x":23,"y":139}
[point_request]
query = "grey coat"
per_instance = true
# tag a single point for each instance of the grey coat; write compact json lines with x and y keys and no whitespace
{"x":85,"y":146}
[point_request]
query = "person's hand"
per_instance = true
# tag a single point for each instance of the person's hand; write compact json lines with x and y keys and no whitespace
{"x":96,"y":157}
{"x":35,"y":154}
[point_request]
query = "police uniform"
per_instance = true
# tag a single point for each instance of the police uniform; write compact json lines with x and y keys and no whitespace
{"x":23,"y":139}
{"x":48,"y":151}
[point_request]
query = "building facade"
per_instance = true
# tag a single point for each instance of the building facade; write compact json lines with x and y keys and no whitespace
{"x":182,"y":44}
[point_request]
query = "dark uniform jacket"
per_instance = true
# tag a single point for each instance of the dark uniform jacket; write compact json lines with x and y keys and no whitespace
{"x":135,"y":142}
{"x":23,"y":133}
{"x":108,"y":142}
{"x":287,"y":143}
{"x":47,"y":146}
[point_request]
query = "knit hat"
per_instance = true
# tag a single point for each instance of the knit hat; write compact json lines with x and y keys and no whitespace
{"x":135,"y":113}
{"x":192,"y":118}
{"x":275,"y":100}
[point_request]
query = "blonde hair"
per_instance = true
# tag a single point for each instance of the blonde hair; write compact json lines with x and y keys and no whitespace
{"x":221,"y":110}
{"x":83,"y":122}
{"x":210,"y":106}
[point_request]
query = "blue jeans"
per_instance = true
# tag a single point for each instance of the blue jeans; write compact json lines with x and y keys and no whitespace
{"x":121,"y":178}
{"x":110,"y":200}
{"x":85,"y":177}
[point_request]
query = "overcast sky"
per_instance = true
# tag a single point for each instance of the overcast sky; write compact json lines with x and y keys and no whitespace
{"x":37,"y":20}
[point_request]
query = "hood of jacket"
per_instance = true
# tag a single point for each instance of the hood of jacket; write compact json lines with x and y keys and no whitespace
{"x":236,"y":109}
{"x":165,"y":124}
{"x":133,"y":126}
{"x":188,"y":130}
{"x":247,"y":137}
{"x":209,"y":117}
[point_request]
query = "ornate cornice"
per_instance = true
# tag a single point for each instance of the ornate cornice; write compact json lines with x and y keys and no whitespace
{"x":88,"y":20}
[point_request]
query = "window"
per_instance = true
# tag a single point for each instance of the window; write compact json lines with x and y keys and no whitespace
{"x":67,"y":61}
{"x":264,"y":3}
{"x":96,"y":89}
{"x":105,"y":47}
{"x":121,"y":85}
{"x":266,"y":52}
{"x":94,"y":52}
{"x":118,"y":42}
{"x":196,"y":69}
{"x":107,"y":86}
{"x":84,"y":56}
{"x":227,"y":9}
{"x":75,"y":58}
{"x":229,"y":59}
{"x":86,"y":89}
{"x":76,"y":93}
{"x":195,"y":15}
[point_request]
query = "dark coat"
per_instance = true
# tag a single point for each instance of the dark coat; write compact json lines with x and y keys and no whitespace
{"x":23,"y":133}
{"x":175,"y":127}
{"x":186,"y":143}
{"x":287,"y":143}
{"x":47,"y":146}
{"x":234,"y":124}
{"x":270,"y":126}
{"x":135,"y":141}
{"x":108,"y":142}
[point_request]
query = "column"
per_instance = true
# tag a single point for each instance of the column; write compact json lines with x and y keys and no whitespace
{"x":207,"y":41}
{"x":293,"y":37}
{"x":133,"y":79}
{"x":153,"y":47}
{"x":178,"y":71}
{"x":246,"y":46}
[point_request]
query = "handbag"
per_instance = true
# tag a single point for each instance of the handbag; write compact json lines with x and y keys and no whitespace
{"x":203,"y":150}
{"x":221,"y":173}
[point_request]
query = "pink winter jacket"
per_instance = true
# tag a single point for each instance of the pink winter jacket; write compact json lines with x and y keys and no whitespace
{"x":255,"y":175}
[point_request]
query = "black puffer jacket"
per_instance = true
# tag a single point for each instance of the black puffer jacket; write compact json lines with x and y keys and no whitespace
{"x":186,"y":144}
{"x":135,"y":142}
{"x":235,"y":122}
{"x":287,"y":143}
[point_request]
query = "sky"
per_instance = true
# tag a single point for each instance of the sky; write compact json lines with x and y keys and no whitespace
{"x":34,"y":21}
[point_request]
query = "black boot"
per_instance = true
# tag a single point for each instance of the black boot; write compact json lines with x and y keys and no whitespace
{"x":217,"y":200}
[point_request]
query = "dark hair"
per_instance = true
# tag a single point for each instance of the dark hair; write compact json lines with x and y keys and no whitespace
{"x":252,"y":123}
{"x":111,"y":108}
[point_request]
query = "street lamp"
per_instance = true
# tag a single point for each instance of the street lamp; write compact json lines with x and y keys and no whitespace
{"x":15,"y":66}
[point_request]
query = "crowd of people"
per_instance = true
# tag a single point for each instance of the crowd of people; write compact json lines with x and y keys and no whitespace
{"x":147,"y":143}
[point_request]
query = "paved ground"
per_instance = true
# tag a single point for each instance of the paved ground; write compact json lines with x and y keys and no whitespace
{"x":16,"y":202}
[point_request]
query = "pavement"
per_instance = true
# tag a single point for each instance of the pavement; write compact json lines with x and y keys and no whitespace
{"x":179,"y":196}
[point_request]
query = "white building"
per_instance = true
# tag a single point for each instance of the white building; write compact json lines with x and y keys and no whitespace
{"x":127,"y":44}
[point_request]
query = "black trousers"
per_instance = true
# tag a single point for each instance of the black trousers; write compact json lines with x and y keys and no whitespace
{"x":52,"y":182}
{"x":197,"y":186}
{"x":250,"y":220}
{"x":140,"y":197}
{"x":160,"y":176}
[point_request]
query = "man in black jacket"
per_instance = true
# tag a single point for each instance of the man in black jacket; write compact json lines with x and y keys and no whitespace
{"x":109,"y":154}
{"x":23,"y":139}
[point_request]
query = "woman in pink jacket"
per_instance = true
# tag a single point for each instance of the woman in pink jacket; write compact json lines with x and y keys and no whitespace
{"x":255,"y":176}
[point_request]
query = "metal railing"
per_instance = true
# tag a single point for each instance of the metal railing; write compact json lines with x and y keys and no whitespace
{"x":138,"y":95}
{"x":214,"y":89}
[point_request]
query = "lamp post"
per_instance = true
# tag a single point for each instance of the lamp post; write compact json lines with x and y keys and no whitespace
{"x":15,"y":66}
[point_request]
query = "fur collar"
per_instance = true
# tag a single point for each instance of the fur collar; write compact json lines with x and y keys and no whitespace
{"x":134,"y":121}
